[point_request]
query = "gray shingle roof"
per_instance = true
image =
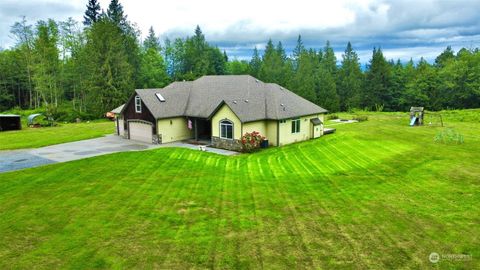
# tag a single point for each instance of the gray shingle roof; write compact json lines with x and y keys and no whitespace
{"x":118,"y":109}
{"x":249,"y":98}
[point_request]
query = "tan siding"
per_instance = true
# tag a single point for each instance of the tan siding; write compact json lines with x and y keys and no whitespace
{"x":306,"y":132}
{"x":174,"y":129}
{"x":226,"y":113}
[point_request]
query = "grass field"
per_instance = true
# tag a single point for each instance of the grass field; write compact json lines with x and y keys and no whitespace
{"x":37,"y":137}
{"x":377,"y":194}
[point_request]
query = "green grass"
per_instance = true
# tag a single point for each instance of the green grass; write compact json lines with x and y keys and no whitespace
{"x":377,"y":194}
{"x":38,"y":137}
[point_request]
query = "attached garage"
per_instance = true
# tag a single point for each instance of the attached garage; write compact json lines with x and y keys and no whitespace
{"x":140,"y":130}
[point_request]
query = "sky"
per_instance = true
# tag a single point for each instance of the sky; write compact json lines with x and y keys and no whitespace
{"x":403,"y":29}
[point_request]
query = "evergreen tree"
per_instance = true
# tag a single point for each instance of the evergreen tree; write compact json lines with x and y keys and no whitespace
{"x":217,"y":61}
{"x":151,"y":41}
{"x":349,"y":82}
{"x":447,"y":55}
{"x":376,"y":93}
{"x":281,"y":52}
{"x":304,"y":81}
{"x":225,"y":56}
{"x":92,"y":14}
{"x":196,"y":61}
{"x":255,"y":63}
{"x":116,"y":14}
{"x":153,"y":72}
{"x":397,"y":85}
{"x":299,"y":48}
{"x":326,"y":83}
{"x":110,"y":76}
{"x":275,"y":67}
{"x":416,"y":92}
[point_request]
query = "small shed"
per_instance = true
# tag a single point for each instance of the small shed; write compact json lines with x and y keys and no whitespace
{"x":10,"y":122}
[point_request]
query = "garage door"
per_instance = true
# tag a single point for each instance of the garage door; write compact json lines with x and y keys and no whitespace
{"x":140,"y":131}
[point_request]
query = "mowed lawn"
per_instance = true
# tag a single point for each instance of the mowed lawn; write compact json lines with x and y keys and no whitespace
{"x":377,"y":194}
{"x":38,"y":137}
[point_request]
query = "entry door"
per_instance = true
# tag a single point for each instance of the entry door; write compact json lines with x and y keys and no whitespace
{"x":316,"y":131}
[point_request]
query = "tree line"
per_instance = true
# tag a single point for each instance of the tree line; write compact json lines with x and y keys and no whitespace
{"x":94,"y":67}
{"x":451,"y":82}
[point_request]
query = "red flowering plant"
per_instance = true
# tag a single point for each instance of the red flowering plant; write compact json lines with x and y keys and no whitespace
{"x":251,"y":141}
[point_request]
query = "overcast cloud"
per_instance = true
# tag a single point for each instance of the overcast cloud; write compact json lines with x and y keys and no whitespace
{"x":403,"y":29}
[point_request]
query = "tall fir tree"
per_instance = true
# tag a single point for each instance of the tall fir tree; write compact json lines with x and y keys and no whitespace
{"x":275,"y":66}
{"x":297,"y":52}
{"x":270,"y":63}
{"x":196,"y":60}
{"x":255,"y":63}
{"x":326,"y":88}
{"x":116,"y":14}
{"x":92,"y":14}
{"x":151,"y":41}
{"x":304,"y":81}
{"x":110,"y":76}
{"x":349,"y":80}
{"x":376,"y":93}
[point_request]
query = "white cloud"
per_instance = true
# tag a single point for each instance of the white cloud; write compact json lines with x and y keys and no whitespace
{"x":238,"y":26}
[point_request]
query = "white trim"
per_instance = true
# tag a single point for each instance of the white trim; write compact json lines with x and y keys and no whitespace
{"x":229,"y":123}
{"x":297,"y":125}
{"x":138,"y":104}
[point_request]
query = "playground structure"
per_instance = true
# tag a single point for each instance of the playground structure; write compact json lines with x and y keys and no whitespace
{"x":416,"y":116}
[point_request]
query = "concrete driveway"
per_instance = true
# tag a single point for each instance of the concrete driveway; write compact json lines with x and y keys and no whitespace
{"x":12,"y":160}
{"x":27,"y":158}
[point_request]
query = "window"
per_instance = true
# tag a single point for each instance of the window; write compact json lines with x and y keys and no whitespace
{"x":283,"y":121}
{"x":160,"y":97}
{"x":138,"y":104}
{"x":226,"y":129}
{"x":295,"y":125}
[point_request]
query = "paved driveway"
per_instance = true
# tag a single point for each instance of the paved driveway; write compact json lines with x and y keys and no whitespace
{"x":27,"y":158}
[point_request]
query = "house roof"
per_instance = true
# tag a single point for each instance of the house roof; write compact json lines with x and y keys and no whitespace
{"x":118,"y":109}
{"x":250,"y":99}
{"x":315,"y":121}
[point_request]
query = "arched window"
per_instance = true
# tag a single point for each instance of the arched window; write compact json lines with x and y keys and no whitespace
{"x":226,"y":129}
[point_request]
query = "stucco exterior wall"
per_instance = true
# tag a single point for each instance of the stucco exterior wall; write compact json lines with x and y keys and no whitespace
{"x":173,"y":129}
{"x":306,"y":131}
{"x":226,"y":113}
{"x":259,"y":126}
{"x":267,"y":128}
{"x":272,"y":132}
